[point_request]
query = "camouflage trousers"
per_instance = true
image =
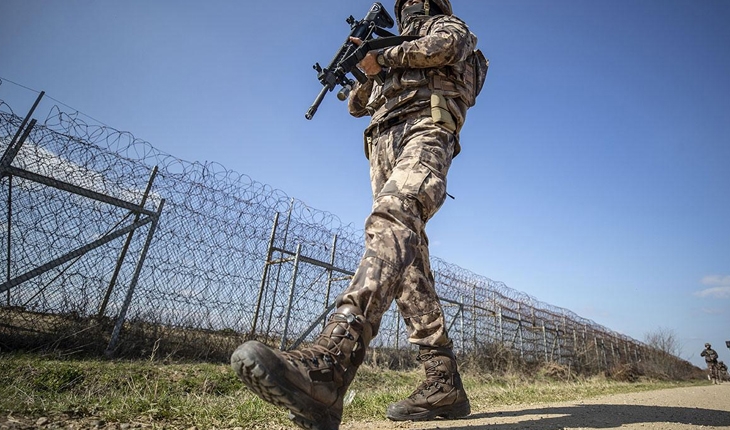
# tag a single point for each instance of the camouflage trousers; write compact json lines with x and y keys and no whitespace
{"x":713,"y":370}
{"x":408,"y":166}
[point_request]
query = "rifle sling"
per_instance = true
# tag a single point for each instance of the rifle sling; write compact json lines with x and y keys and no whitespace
{"x":372,"y":45}
{"x":385,"y":42}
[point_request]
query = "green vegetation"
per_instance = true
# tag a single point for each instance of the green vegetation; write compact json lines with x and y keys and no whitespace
{"x":210,"y":396}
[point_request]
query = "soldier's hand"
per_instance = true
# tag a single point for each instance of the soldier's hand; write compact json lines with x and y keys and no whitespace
{"x":369,"y":64}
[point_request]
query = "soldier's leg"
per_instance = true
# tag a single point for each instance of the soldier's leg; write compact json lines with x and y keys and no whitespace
{"x":311,"y":382}
{"x":425,"y":160}
{"x":442,"y":392}
{"x":408,"y":171}
{"x":419,"y":303}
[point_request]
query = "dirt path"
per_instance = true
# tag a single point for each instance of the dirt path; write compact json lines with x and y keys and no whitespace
{"x":705,"y":407}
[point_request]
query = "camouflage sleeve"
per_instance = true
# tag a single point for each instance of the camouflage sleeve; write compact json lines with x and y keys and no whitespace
{"x":359,"y":97}
{"x":448,"y":41}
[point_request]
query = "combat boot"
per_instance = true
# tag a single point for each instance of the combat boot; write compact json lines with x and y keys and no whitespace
{"x":440,"y":395}
{"x":310,"y":382}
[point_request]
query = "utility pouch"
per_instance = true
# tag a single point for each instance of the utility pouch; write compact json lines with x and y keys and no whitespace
{"x":440,"y":112}
{"x":367,"y":141}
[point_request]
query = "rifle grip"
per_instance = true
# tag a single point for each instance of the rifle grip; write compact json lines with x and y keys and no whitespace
{"x":359,"y":75}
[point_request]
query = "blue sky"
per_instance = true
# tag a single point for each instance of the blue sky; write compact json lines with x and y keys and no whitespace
{"x":595,"y":167}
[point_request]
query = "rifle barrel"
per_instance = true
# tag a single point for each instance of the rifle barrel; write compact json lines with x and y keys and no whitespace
{"x":313,"y":109}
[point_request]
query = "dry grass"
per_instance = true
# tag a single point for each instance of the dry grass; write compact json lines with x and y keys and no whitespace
{"x":180,"y":395}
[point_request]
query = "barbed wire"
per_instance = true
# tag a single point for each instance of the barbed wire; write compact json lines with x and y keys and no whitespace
{"x":221,"y":266}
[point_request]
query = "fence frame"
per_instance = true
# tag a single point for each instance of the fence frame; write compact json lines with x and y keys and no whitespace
{"x":142,"y":217}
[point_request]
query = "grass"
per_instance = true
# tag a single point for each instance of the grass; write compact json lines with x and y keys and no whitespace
{"x":210,"y":396}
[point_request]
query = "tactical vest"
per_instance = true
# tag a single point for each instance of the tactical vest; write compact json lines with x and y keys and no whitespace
{"x":447,"y":91}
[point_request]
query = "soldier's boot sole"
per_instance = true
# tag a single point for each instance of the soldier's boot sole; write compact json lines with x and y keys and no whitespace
{"x":450,"y":412}
{"x":252,"y":365}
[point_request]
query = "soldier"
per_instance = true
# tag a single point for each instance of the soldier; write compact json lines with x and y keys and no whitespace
{"x":711,"y":360}
{"x":416,"y":115}
{"x":722,"y":371}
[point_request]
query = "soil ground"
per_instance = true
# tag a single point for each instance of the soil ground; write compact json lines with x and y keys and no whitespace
{"x":704,"y":407}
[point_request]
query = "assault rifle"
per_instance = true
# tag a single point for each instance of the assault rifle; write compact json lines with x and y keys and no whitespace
{"x":374,"y":23}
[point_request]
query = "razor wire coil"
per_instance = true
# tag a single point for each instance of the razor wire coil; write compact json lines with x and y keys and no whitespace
{"x":202,"y":282}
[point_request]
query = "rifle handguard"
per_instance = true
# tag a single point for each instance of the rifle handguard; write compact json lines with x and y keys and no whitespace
{"x":351,"y":62}
{"x":349,"y":56}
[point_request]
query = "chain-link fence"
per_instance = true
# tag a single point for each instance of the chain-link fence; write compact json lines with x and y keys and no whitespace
{"x":109,"y":245}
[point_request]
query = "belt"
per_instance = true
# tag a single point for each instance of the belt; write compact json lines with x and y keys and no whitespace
{"x":380,"y":126}
{"x":390,"y":122}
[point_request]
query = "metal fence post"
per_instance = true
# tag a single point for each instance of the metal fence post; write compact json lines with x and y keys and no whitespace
{"x":12,"y":150}
{"x":133,"y":284}
{"x":329,"y":277}
{"x":125,"y":248}
{"x":519,"y":330}
{"x":560,"y":341}
{"x":291,"y":297}
{"x":279,"y":266}
{"x":461,"y":322}
{"x":10,"y":220}
{"x":397,"y":330}
{"x":501,"y":329}
{"x":262,"y":285}
{"x":474,"y":318}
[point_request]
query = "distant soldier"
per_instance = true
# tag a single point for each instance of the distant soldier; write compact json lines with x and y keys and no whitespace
{"x":711,"y":360}
{"x":722,"y":371}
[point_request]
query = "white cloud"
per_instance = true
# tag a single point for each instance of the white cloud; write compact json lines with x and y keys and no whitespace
{"x":716,"y":292}
{"x":716,"y":280}
{"x":44,"y":162}
{"x":713,"y":311}
{"x":719,"y":287}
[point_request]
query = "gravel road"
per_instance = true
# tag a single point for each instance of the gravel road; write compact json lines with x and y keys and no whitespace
{"x":704,"y":407}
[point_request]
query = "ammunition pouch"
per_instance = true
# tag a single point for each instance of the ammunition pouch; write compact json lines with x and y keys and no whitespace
{"x":440,"y":112}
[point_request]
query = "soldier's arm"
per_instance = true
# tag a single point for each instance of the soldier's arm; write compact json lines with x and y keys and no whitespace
{"x":359,"y":97}
{"x":448,"y":42}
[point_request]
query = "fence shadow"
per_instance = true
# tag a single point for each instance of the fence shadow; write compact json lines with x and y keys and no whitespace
{"x":600,"y":416}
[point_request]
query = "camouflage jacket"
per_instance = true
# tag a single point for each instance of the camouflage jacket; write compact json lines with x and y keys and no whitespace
{"x":412,"y":67}
{"x":710,"y":355}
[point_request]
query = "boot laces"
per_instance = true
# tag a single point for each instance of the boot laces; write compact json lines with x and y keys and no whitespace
{"x":311,"y":356}
{"x":434,"y":376}
{"x":325,"y":348}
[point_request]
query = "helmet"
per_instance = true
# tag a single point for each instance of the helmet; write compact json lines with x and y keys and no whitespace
{"x":444,"y":5}
{"x":707,"y":345}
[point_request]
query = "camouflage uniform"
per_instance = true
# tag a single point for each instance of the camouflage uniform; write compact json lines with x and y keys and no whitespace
{"x":722,"y":371}
{"x":409,"y":157}
{"x":410,"y":152}
{"x":711,"y":361}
